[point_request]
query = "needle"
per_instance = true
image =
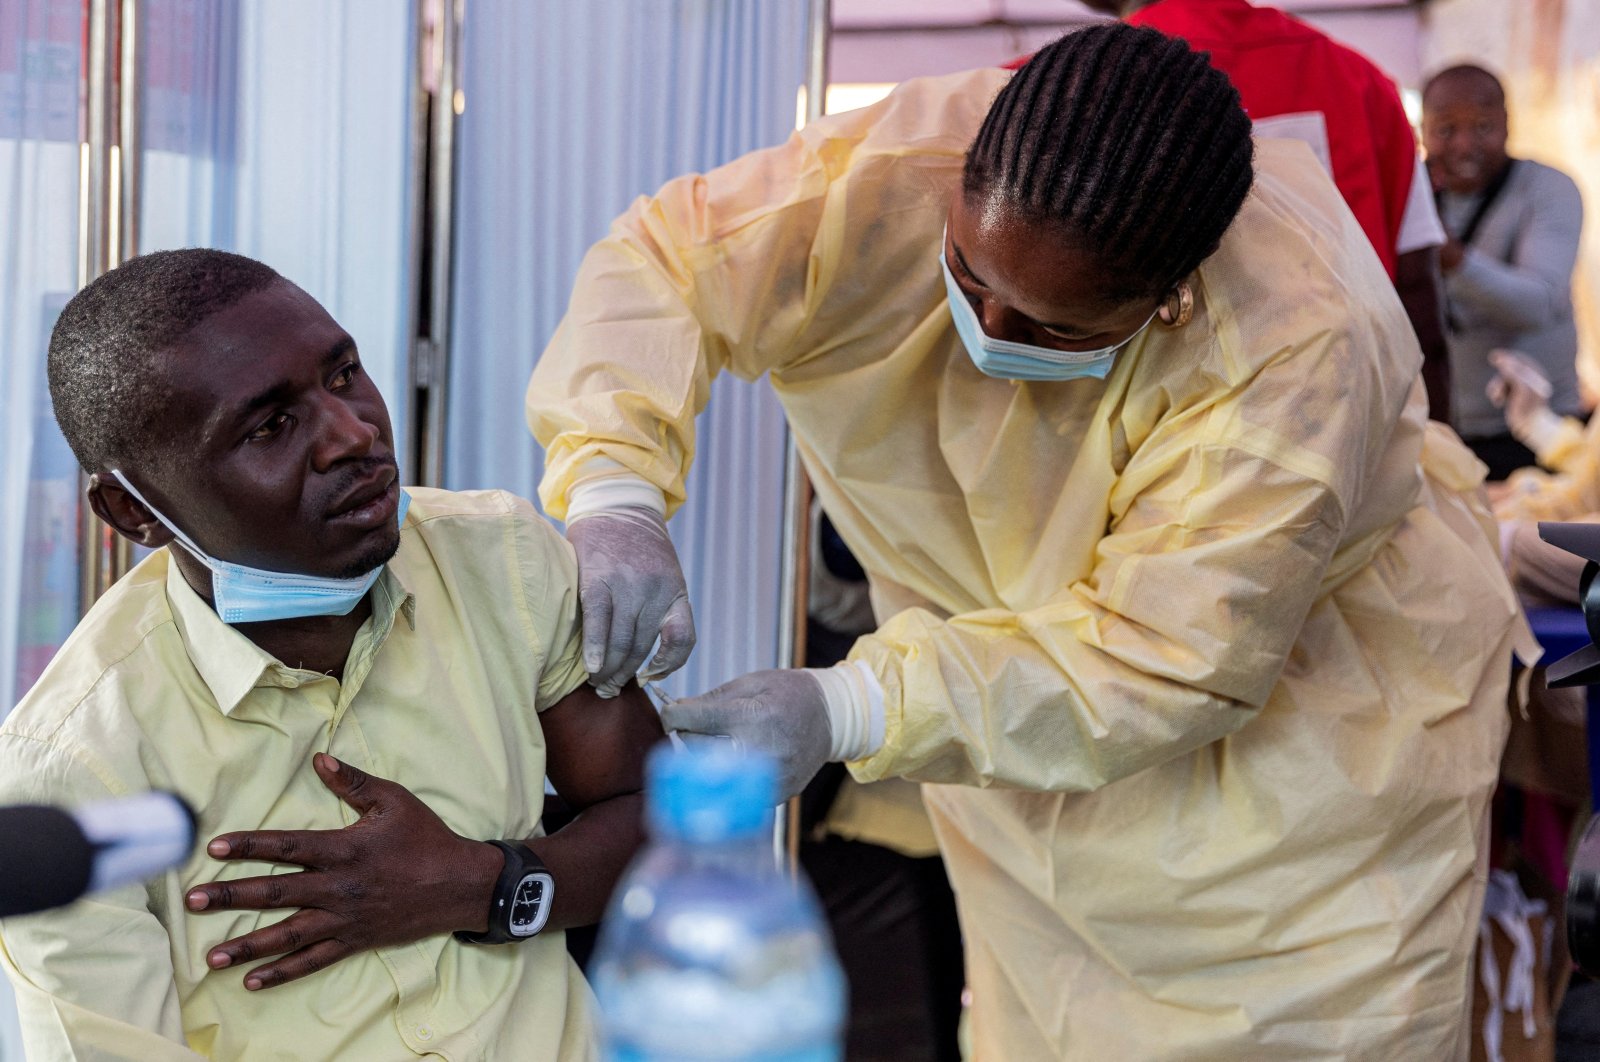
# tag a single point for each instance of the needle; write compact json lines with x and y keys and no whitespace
{"x":663,"y":698}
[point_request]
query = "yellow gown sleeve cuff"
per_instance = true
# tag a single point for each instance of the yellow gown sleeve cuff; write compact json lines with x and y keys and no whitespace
{"x":879,"y":762}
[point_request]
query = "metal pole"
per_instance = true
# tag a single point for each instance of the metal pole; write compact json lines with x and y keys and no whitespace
{"x":433,"y":355}
{"x":98,"y":207}
{"x":128,"y":172}
{"x":819,"y":33}
{"x":425,"y":15}
{"x":130,"y":73}
{"x":795,"y":572}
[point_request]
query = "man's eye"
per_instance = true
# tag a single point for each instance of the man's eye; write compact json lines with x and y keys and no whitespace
{"x":269,"y":427}
{"x":347,"y":375}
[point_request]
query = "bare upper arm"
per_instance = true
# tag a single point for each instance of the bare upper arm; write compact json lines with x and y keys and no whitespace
{"x":596,"y":747}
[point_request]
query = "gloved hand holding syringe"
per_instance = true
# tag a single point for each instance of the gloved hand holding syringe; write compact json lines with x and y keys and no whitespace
{"x":662,"y":698}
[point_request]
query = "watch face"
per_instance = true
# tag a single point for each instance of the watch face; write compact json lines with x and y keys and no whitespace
{"x":530,"y":906}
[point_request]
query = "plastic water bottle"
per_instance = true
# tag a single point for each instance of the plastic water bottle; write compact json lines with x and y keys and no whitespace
{"x":710,"y":952}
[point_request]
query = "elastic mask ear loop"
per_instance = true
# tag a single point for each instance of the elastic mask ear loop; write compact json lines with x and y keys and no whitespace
{"x":1178,"y":310}
{"x":188,"y":543}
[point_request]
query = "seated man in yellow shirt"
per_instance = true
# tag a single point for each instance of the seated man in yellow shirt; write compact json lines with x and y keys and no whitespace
{"x":351,"y":735}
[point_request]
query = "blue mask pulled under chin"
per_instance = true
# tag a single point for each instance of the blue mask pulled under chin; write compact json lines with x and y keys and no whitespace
{"x":242,"y":594}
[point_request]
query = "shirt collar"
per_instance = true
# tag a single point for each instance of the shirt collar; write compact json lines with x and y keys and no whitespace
{"x":390,"y":596}
{"x":230,"y":664}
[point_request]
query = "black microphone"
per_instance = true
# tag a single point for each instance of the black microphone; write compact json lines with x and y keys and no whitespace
{"x":50,"y":857}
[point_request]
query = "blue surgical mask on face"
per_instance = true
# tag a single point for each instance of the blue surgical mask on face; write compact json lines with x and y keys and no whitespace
{"x":1006,"y":360}
{"x":242,"y":594}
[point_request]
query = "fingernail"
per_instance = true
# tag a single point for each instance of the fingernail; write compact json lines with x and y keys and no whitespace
{"x":218,"y":848}
{"x":252,"y":983}
{"x":218,"y":959}
{"x":591,"y":662}
{"x":197,"y":900}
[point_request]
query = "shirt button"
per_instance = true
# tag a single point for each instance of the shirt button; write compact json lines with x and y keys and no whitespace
{"x":424,"y":1033}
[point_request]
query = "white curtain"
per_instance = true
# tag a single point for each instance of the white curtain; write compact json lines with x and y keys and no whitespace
{"x":572,"y":110}
{"x":41,"y":55}
{"x":40,"y":65}
{"x":275,"y":128}
{"x":280,"y":129}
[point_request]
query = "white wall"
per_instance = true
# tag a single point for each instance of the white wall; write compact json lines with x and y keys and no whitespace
{"x":1390,"y":37}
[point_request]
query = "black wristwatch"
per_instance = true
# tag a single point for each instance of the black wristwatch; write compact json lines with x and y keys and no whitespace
{"x":522,"y":897}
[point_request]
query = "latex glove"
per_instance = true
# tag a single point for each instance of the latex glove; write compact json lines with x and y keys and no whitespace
{"x":780,"y":712}
{"x":804,"y":718}
{"x":631,"y":589}
{"x":1523,"y":391}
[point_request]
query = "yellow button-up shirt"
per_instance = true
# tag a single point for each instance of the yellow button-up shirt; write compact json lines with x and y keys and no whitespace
{"x":474,"y":626}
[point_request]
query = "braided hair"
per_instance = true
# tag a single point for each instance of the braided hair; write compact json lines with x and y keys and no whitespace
{"x":1128,"y":140}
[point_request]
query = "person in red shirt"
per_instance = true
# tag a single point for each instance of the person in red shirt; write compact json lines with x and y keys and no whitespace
{"x":1296,"y":81}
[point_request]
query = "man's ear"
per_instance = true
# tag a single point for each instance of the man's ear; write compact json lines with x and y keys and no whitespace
{"x":124,"y":513}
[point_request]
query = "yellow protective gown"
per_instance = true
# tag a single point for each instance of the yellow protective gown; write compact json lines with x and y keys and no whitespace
{"x":1211,"y":675}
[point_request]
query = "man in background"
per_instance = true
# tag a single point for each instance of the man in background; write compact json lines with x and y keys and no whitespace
{"x":1295,"y":81}
{"x":1514,"y":226}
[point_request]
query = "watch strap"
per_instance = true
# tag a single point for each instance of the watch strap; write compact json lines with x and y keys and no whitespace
{"x":520,"y":861}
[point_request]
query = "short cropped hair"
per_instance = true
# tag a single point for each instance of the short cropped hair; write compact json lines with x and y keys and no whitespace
{"x":105,"y":369}
{"x":1468,"y":75}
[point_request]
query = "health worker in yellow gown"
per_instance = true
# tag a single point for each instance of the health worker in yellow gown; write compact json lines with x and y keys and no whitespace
{"x":1192,"y":627}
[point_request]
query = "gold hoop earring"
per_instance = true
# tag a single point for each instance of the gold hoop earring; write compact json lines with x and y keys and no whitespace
{"x":1179,"y":307}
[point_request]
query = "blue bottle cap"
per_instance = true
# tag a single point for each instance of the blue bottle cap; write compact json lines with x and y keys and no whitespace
{"x":710,"y":793}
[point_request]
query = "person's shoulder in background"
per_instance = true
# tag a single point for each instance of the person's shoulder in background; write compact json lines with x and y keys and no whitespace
{"x":1546,"y":183}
